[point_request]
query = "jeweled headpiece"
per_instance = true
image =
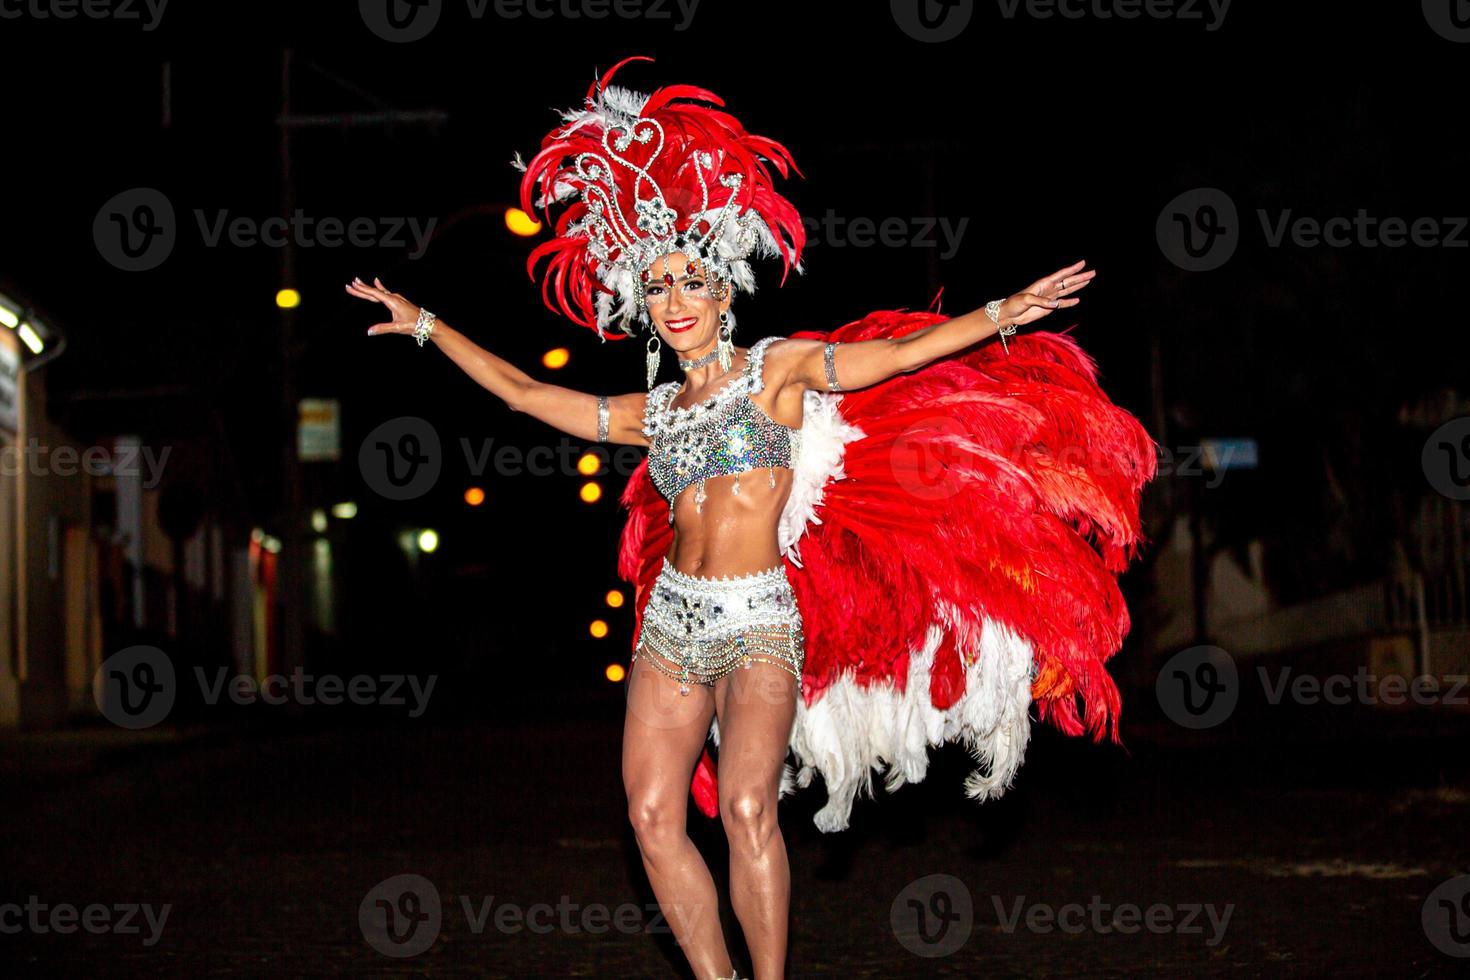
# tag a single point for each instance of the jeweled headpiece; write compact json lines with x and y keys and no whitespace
{"x":648,"y":175}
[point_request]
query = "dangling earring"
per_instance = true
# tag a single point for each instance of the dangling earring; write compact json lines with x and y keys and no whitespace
{"x":725,"y":346}
{"x":655,"y":353}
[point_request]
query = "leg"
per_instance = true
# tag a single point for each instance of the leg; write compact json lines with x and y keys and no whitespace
{"x":757,"y":707}
{"x":663,"y":735}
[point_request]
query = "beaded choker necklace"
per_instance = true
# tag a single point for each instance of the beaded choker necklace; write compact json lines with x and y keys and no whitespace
{"x":699,"y":361}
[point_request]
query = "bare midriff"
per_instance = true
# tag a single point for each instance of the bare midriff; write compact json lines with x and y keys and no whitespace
{"x":736,"y":532}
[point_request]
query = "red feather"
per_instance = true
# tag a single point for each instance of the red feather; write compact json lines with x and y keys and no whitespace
{"x":988,"y":487}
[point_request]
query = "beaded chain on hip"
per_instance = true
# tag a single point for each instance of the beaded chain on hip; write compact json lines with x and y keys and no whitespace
{"x":700,"y":629}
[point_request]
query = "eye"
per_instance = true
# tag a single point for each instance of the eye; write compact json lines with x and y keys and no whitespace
{"x":695,"y":284}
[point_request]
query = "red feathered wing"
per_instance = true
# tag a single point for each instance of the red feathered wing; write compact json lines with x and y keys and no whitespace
{"x":954,"y":539}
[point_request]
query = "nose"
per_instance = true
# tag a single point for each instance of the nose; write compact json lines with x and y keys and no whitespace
{"x":675,"y":303}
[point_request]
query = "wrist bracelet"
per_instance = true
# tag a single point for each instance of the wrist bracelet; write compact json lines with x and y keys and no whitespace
{"x":992,"y":310}
{"x":602,"y":418}
{"x":424,"y":327}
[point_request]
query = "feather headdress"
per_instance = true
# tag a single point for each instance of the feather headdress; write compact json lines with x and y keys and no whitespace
{"x":642,"y":176}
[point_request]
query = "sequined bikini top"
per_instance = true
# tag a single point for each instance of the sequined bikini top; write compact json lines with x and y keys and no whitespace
{"x":726,"y":433}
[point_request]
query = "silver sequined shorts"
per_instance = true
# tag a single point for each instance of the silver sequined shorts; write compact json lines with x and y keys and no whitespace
{"x":697,"y":630}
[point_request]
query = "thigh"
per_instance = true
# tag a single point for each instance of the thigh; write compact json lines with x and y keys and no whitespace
{"x":663,"y":734}
{"x":756,"y":707}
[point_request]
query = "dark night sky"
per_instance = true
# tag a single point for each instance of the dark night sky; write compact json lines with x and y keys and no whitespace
{"x":1056,"y":139}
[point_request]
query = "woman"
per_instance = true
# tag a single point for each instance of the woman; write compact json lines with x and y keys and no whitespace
{"x":672,"y":196}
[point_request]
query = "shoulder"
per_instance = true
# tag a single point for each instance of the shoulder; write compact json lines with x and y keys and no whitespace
{"x":775,"y":360}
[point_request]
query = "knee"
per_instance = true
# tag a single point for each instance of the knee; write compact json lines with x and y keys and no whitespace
{"x":655,"y":823}
{"x":750,"y":818}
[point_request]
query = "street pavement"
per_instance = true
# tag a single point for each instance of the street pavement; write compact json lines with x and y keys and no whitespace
{"x":279,"y":849}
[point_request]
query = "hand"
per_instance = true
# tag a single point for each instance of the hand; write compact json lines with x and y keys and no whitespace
{"x":1045,"y":295}
{"x":404,"y":316}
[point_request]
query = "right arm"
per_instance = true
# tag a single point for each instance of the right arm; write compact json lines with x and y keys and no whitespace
{"x":572,"y":412}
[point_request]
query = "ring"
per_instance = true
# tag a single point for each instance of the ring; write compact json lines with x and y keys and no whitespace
{"x":1064,"y":284}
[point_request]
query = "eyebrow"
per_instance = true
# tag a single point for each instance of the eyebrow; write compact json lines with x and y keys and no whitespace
{"x":659,"y":281}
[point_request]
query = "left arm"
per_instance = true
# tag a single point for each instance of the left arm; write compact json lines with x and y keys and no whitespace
{"x":867,"y":362}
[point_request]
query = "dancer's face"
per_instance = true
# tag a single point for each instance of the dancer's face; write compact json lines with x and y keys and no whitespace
{"x":686,"y":314}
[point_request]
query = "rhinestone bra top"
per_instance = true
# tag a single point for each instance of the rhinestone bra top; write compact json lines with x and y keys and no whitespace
{"x":726,"y":433}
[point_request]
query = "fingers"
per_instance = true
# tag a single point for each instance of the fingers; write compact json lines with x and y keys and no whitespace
{"x":361,"y":289}
{"x":1075,"y":283}
{"x":377,"y":294}
{"x":1069,"y":270}
{"x":1064,"y":282}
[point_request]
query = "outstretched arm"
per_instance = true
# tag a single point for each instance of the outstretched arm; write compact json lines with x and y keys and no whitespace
{"x":572,"y":412}
{"x":867,"y":362}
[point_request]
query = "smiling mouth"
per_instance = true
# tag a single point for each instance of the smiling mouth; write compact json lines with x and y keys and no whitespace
{"x":676,"y":326}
